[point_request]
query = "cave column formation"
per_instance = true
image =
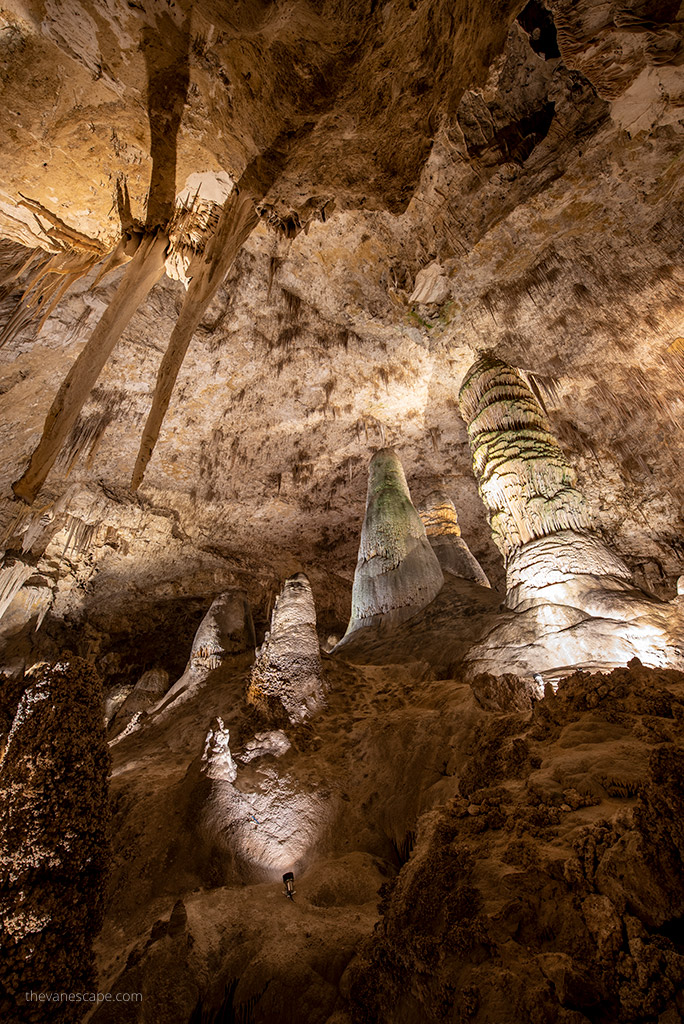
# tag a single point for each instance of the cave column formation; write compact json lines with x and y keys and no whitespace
{"x":397,"y":572}
{"x":539,"y":520}
{"x":581,"y":604}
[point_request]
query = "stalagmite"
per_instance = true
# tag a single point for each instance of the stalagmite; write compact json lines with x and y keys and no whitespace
{"x":288,"y":670}
{"x":238,"y":218}
{"x":140,"y":276}
{"x":54,"y":855}
{"x":441,"y":526}
{"x":576,"y":602}
{"x":523,"y":475}
{"x":147,"y":692}
{"x":397,"y":572}
{"x":226,"y":630}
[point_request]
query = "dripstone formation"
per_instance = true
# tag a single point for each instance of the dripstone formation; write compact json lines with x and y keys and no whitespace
{"x":287,"y":672}
{"x":372,"y":755}
{"x":575,"y":600}
{"x":54,"y":855}
{"x":397,"y":572}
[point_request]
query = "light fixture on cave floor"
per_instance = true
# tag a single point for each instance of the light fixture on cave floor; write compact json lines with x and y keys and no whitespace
{"x":288,"y":882}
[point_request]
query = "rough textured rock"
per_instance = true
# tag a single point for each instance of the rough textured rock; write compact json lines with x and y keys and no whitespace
{"x":54,"y":848}
{"x":287,"y":675}
{"x":397,"y":573}
{"x":545,"y":891}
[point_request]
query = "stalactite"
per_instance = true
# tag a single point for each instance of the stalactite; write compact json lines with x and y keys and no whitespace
{"x":142,"y":273}
{"x":13,"y":575}
{"x":79,"y":536}
{"x":524,"y":477}
{"x":238,"y":218}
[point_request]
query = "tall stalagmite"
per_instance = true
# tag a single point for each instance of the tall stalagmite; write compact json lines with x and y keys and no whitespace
{"x":582,"y":608}
{"x":288,"y":666}
{"x":226,"y":629}
{"x":53,"y":853}
{"x":397,"y":572}
{"x":441,"y":526}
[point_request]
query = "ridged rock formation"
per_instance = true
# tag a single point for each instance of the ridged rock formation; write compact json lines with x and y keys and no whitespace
{"x":441,"y":526}
{"x":397,"y":572}
{"x":225,"y":630}
{"x":523,"y":474}
{"x":288,"y":669}
{"x":577,"y":603}
{"x":53,"y":847}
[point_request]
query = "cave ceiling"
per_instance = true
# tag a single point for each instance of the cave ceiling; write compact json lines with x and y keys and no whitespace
{"x":432,"y":180}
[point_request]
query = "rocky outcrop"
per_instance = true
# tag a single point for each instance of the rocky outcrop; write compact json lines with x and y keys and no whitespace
{"x":453,"y":554}
{"x":551,"y":887}
{"x":575,"y":601}
{"x":287,"y":675}
{"x":397,"y":573}
{"x":53,"y":851}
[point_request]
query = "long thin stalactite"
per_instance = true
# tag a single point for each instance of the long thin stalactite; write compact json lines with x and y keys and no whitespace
{"x":237,"y":221}
{"x":142,"y":273}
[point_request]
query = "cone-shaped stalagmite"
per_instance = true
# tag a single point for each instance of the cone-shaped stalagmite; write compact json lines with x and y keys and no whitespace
{"x":444,"y":534}
{"x":397,"y":572}
{"x":226,"y":630}
{"x":288,"y":665}
{"x":578,"y":604}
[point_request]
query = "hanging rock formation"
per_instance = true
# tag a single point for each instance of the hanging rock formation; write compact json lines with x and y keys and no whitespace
{"x":288,"y":669}
{"x":441,"y":526}
{"x":53,"y":851}
{"x":576,"y":602}
{"x":397,"y":572}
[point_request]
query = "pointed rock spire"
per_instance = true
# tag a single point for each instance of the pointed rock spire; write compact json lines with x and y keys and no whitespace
{"x":397,"y":572}
{"x":444,"y":534}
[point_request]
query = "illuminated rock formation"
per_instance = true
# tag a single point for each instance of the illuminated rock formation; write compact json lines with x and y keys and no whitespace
{"x":441,"y":526}
{"x":576,"y":603}
{"x":227,"y":629}
{"x":397,"y":572}
{"x":522,"y":472}
{"x":288,"y":670}
{"x":53,"y":851}
{"x":148,"y":690}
